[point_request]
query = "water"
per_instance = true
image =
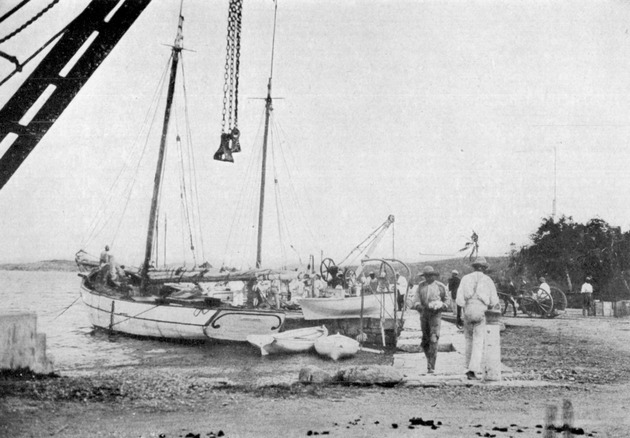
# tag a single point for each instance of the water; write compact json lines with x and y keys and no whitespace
{"x":69,"y":335}
{"x":75,"y":347}
{"x":72,"y":342}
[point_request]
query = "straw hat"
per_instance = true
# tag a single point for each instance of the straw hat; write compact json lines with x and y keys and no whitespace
{"x":428,"y":270}
{"x":480,"y":261}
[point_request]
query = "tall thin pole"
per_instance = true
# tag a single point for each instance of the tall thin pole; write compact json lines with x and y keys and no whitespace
{"x":555,"y":181}
{"x":177,"y":48}
{"x":263,"y":173}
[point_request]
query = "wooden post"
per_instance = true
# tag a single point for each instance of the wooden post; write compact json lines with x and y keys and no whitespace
{"x":492,"y":347}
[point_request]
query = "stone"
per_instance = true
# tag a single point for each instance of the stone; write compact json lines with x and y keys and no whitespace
{"x":370,"y":375}
{"x":313,"y":374}
{"x":20,"y":344}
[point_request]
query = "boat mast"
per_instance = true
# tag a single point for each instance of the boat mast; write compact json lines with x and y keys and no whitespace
{"x":176,"y":50}
{"x":263,"y":173}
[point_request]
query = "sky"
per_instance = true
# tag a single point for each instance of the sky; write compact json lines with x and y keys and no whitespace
{"x":452,"y":116}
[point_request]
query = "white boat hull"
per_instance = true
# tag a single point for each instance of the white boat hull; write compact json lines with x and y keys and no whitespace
{"x":374,"y":306}
{"x":292,"y":341}
{"x":177,"y":321}
{"x":336,"y":346}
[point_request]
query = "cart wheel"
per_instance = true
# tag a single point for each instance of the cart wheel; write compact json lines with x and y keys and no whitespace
{"x":559,"y":302}
{"x":324,"y":269}
{"x":527,"y":303}
{"x":544,"y":302}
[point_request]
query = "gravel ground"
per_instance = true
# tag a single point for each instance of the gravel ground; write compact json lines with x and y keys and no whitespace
{"x":583,"y":360}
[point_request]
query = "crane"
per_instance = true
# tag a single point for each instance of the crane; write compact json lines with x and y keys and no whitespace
{"x":77,"y":51}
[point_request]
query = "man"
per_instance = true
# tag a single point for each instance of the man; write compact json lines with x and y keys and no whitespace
{"x":429,"y":300}
{"x":105,"y":257}
{"x":319,"y":286}
{"x":544,"y":286}
{"x":401,"y":288}
{"x":453,"y":285}
{"x":476,"y":294}
{"x":370,"y":283}
{"x":587,"y":296}
{"x":382,"y":285}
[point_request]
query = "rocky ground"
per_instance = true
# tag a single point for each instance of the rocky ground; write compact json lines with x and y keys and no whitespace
{"x":582,"y":362}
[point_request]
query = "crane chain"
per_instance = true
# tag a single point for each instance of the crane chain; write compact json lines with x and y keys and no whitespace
{"x":232,"y":64}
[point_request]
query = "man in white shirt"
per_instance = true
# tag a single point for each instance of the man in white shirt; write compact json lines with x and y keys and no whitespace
{"x":544,"y":286}
{"x":587,"y":296}
{"x":401,"y":288}
{"x":476,"y":294}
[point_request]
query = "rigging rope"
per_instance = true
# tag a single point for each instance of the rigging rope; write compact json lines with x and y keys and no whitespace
{"x":29,"y":22}
{"x":193,"y":169}
{"x":100,"y":221}
{"x":33,"y":55}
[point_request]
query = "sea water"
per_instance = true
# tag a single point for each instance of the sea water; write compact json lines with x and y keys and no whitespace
{"x":54,"y":298}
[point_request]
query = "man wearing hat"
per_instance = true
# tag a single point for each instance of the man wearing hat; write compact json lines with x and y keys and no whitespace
{"x":587,"y":296}
{"x":475,"y":295}
{"x":453,"y":285}
{"x":429,"y":300}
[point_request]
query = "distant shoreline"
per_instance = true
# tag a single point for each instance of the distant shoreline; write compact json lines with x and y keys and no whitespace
{"x":444,"y":266}
{"x":46,"y":265}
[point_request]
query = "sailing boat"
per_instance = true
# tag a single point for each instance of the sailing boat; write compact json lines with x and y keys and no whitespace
{"x":167,"y":303}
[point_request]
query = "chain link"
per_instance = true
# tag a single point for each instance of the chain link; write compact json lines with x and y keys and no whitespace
{"x":232,"y":64}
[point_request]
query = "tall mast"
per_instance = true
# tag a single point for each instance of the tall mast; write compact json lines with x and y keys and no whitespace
{"x":263,"y":173}
{"x":177,"y":48}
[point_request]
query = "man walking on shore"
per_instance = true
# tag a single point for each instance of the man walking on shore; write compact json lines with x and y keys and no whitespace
{"x":476,"y":294}
{"x":429,"y":300}
{"x":587,"y":296}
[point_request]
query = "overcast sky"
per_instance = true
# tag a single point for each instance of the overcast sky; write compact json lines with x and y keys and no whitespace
{"x":444,"y":114}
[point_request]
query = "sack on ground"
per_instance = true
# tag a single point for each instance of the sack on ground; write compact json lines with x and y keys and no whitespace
{"x":475,"y":311}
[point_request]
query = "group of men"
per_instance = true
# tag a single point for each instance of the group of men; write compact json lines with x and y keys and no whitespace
{"x":473,"y":294}
{"x":470,"y":297}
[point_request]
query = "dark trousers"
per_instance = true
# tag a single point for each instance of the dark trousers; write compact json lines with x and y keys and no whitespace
{"x":430,"y":323}
{"x":587,"y":304}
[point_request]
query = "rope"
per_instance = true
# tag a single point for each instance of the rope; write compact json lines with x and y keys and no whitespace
{"x":30,"y":58}
{"x":100,"y":221}
{"x":193,"y":169}
{"x":64,"y":310}
{"x":29,"y":22}
{"x":136,"y":315}
{"x":247,"y":197}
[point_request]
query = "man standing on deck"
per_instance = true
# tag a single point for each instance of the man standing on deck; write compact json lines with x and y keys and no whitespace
{"x":453,"y":285}
{"x":105,"y":257}
{"x":429,"y":300}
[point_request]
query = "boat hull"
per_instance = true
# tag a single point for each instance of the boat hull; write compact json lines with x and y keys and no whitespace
{"x":176,"y":320}
{"x":374,"y":306}
{"x":292,"y":341}
{"x":336,"y":346}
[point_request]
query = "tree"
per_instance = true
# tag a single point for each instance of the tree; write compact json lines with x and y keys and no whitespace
{"x":565,"y":250}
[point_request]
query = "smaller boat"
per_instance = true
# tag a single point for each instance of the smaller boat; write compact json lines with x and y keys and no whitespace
{"x":291,"y":341}
{"x":336,"y":346}
{"x":374,"y":306}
